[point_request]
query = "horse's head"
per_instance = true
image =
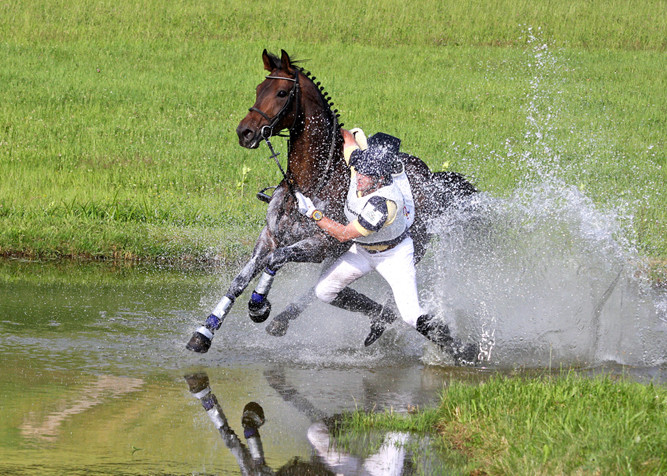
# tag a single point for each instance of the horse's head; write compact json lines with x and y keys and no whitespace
{"x":277,"y":102}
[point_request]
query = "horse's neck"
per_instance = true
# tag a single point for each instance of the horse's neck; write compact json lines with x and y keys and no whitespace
{"x":313,"y":149}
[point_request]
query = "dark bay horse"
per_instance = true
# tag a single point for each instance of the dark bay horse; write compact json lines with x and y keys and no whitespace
{"x":290,"y":99}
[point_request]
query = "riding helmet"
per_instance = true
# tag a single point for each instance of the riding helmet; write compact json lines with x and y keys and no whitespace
{"x":377,"y":160}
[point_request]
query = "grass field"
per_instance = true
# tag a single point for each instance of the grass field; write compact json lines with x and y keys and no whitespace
{"x":117,"y":119}
{"x":566,"y":424}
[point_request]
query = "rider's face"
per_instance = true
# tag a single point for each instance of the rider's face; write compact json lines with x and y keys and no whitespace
{"x":367,"y":184}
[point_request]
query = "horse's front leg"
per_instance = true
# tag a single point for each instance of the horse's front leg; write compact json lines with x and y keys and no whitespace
{"x":202,"y":337}
{"x":259,"y":307}
{"x":308,"y":250}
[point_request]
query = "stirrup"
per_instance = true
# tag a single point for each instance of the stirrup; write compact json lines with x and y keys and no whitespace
{"x":263,"y":196}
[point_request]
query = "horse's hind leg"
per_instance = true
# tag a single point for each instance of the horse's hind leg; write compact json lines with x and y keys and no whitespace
{"x":279,"y":324}
{"x":351,"y":300}
{"x":348,"y":299}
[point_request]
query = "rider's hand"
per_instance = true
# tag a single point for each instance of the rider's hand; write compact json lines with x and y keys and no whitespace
{"x":360,"y":138}
{"x":305,"y":204}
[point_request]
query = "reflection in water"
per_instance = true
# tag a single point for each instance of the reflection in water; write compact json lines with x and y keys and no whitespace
{"x":388,"y":460}
{"x":250,"y":459}
{"x":327,"y":459}
{"x":62,"y":327}
{"x":105,"y":387}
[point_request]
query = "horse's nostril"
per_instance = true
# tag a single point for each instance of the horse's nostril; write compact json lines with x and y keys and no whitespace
{"x":246,"y":134}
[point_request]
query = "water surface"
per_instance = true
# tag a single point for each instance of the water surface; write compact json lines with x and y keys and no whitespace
{"x":93,"y":373}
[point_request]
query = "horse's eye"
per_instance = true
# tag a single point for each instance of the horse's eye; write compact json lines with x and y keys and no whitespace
{"x":282,"y":93}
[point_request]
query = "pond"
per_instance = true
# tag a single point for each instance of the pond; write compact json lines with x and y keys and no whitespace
{"x":95,"y":377}
{"x":93,"y":373}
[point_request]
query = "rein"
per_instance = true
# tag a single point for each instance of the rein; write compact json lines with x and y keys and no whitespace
{"x":267,"y":130}
{"x":274,"y":156}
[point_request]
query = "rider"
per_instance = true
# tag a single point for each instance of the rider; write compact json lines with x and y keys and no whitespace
{"x":378,"y":226}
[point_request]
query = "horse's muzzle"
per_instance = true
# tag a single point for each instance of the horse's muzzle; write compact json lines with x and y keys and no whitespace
{"x":248,"y":137}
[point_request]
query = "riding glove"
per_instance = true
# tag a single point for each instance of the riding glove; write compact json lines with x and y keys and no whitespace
{"x":360,"y":138}
{"x":305,"y":204}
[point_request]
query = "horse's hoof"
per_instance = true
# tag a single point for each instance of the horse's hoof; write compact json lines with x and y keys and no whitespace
{"x":277,"y":327}
{"x":253,"y":416}
{"x":199,"y":343}
{"x":259,"y":311}
{"x":377,"y":329}
{"x":467,"y":355}
{"x":197,"y":382}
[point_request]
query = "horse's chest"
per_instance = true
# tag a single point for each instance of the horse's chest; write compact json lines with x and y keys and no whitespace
{"x":288,"y":228}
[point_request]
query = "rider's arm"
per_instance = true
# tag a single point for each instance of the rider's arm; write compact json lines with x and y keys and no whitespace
{"x":339,"y":231}
{"x":375,"y":215}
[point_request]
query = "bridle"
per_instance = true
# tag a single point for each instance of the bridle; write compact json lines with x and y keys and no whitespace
{"x":267,"y":130}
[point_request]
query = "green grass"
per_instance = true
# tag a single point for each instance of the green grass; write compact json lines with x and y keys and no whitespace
{"x":117,"y":120}
{"x":551,"y":425}
{"x":617,"y":24}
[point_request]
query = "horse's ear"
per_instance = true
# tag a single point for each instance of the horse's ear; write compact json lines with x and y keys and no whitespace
{"x":285,"y":61}
{"x":269,"y":61}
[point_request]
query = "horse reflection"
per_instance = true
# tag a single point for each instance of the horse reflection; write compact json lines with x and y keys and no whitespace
{"x":327,"y":460}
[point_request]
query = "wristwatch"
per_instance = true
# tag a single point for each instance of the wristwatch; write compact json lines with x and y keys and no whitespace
{"x":317,"y":215}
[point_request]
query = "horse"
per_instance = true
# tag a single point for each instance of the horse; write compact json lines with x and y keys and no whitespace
{"x":291,"y":99}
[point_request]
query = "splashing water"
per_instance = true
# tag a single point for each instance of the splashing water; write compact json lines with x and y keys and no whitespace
{"x":544,"y":277}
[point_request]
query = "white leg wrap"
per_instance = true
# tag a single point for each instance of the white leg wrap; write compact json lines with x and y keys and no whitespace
{"x":264,"y":284}
{"x":204,"y":331}
{"x":215,"y":417}
{"x":203,"y":393}
{"x":255,"y":448}
{"x":223,"y":307}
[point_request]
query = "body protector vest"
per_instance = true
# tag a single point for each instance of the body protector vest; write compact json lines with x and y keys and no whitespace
{"x":390,"y":231}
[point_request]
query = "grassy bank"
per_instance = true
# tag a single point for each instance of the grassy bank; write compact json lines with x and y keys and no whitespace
{"x":563,"y":425}
{"x":117,"y":120}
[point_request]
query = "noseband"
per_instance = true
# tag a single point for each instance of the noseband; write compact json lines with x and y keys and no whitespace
{"x":267,"y":130}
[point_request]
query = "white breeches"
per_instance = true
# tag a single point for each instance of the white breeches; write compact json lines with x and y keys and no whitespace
{"x":396,"y":266}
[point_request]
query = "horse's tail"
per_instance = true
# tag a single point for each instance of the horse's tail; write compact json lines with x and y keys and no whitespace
{"x":447,"y":188}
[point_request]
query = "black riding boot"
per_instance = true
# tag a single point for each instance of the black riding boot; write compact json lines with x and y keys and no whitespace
{"x":351,"y":300}
{"x":439,"y":334}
